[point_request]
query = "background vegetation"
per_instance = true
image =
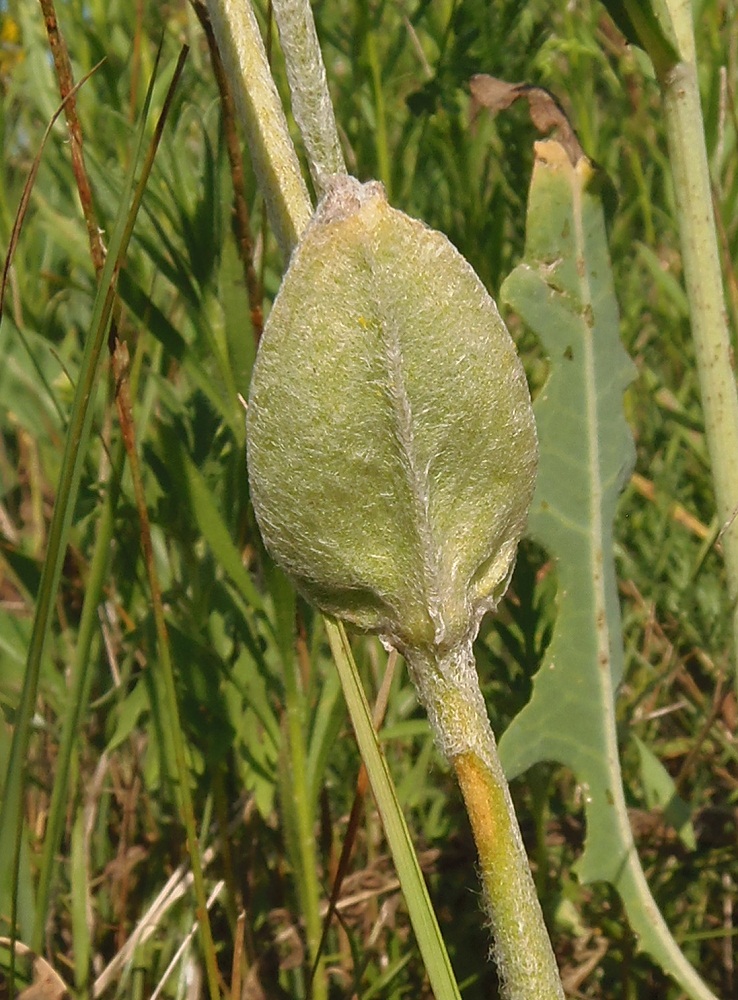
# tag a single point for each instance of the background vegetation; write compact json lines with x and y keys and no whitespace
{"x":398,"y":74}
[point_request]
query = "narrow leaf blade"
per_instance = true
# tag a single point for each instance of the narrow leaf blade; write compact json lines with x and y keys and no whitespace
{"x":427,"y":932}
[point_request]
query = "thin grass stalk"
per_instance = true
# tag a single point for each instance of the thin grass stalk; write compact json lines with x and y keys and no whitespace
{"x":77,"y":698}
{"x":306,"y":872}
{"x":357,"y":806}
{"x":239,"y":963}
{"x":688,"y":155}
{"x":427,"y":932}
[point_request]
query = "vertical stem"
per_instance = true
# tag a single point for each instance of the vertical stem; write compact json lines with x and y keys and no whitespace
{"x":307,"y":873}
{"x":448,"y":686}
{"x":703,"y":279}
{"x":311,"y":101}
{"x":275,"y":161}
{"x":521,"y":946}
{"x":78,"y":693}
{"x":383,"y":158}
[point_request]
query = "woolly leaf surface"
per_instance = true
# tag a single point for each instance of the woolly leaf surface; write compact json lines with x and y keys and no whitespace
{"x":391,"y":443}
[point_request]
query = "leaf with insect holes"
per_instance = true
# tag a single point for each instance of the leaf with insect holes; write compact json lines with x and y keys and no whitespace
{"x":564,"y":291}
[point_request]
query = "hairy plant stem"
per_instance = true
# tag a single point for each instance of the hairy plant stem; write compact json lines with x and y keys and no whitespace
{"x":260,"y":109}
{"x":448,"y":686}
{"x":299,"y":805}
{"x":703,"y":279}
{"x":311,"y":101}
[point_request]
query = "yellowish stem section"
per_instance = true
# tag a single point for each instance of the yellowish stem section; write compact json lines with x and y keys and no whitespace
{"x":485,"y":804}
{"x":449,"y":688}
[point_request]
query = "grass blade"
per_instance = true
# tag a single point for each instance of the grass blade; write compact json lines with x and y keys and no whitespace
{"x":425,"y":925}
{"x":74,"y":456}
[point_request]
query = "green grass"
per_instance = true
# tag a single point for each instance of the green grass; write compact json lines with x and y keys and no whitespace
{"x":398,"y":77}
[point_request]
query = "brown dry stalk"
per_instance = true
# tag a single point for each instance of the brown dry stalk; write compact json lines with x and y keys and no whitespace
{"x":63,"y":67}
{"x":28,"y":188}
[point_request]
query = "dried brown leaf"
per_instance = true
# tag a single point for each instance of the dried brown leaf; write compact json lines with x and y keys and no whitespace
{"x":47,"y":984}
{"x":546,"y":113}
{"x":493,"y":94}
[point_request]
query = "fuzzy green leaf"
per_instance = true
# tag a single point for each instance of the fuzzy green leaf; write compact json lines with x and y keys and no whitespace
{"x":391,"y":444}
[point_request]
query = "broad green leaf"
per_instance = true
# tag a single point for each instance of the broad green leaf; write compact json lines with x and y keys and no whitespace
{"x":564,"y":291}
